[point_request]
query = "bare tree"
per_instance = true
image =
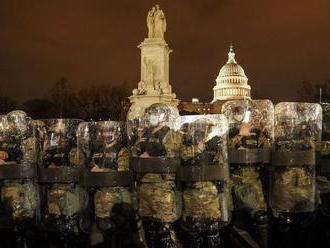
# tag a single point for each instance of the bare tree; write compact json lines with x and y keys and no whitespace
{"x":314,"y":92}
{"x":7,"y":104}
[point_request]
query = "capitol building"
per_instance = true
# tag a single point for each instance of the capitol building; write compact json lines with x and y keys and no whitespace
{"x":231,"y":81}
{"x":231,"y":84}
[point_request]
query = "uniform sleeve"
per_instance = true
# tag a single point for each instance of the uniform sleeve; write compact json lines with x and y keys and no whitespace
{"x":123,"y":159}
{"x":172,"y":142}
{"x":235,"y":141}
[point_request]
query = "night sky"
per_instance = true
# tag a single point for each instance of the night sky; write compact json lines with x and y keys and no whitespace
{"x":279,"y":43}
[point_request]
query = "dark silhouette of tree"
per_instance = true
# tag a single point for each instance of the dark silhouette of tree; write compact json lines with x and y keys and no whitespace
{"x":64,"y":101}
{"x":39,"y":108}
{"x":310,"y":92}
{"x":7,"y":104}
{"x":103,"y":102}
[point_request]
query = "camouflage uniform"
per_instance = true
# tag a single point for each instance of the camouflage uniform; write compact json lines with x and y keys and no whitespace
{"x":157,"y":195}
{"x":292,"y":174}
{"x":19,"y":193}
{"x":109,"y":159}
{"x":64,"y":200}
{"x":248,"y":188}
{"x":206,"y":202}
{"x":251,"y":129}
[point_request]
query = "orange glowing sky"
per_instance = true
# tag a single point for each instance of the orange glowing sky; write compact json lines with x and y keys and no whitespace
{"x":279,"y":43}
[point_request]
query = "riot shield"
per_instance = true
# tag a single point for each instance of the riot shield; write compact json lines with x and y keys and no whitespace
{"x":109,"y":182}
{"x":205,"y":180}
{"x":251,"y":130}
{"x":154,"y":158}
{"x":18,"y":171}
{"x":63,"y":199}
{"x":297,"y":133}
{"x":292,"y":174}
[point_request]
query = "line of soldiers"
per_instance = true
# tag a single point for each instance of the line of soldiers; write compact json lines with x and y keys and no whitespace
{"x":163,"y":180}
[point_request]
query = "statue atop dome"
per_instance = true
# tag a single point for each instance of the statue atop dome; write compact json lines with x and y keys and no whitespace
{"x":231,"y":55}
{"x":156,"y":23}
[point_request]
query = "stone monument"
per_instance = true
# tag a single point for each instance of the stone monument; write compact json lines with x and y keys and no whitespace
{"x":154,"y":85}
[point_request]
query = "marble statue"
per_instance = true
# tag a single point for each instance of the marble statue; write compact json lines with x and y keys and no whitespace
{"x":156,"y":23}
{"x":150,"y":22}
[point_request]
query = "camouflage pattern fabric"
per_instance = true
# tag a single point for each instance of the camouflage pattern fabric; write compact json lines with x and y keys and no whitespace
{"x":248,"y":190}
{"x":202,"y":201}
{"x":106,"y":198}
{"x":293,"y":190}
{"x":29,"y":150}
{"x":157,"y":194}
{"x":64,"y":200}
{"x":247,"y":185}
{"x":158,"y":197}
{"x":22,"y":198}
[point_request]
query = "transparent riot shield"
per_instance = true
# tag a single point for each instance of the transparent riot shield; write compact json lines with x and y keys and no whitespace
{"x":251,"y":132}
{"x":292,"y":173}
{"x":204,"y":175}
{"x":297,"y":133}
{"x":18,"y":171}
{"x":154,"y":158}
{"x":64,"y":200}
{"x":109,"y":182}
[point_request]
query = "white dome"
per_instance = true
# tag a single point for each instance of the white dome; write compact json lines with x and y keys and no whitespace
{"x":231,"y":69}
{"x":231,"y":82}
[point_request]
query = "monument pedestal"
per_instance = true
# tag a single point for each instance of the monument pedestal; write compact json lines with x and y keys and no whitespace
{"x":154,"y":85}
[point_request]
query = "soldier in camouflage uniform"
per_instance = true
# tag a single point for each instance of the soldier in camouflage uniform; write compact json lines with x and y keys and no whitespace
{"x":250,"y":140}
{"x":204,"y":175}
{"x":64,"y":200}
{"x":19,"y":193}
{"x":154,"y":154}
{"x":110,"y":183}
{"x":292,"y":175}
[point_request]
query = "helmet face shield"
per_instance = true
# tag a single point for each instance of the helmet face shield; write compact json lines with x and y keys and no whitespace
{"x":17,"y":138}
{"x":18,"y":122}
{"x":251,"y":123}
{"x":150,"y":134}
{"x":60,"y":142}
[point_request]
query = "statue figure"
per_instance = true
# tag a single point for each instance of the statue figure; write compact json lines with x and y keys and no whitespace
{"x":156,"y":23}
{"x":160,"y":23}
{"x":150,"y":22}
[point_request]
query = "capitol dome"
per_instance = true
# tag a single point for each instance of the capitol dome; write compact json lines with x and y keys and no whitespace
{"x":231,"y":82}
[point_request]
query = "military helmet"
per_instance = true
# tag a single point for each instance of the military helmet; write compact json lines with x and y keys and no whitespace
{"x":239,"y":113}
{"x":109,"y":130}
{"x":202,"y":123}
{"x":59,"y":127}
{"x":238,"y":109}
{"x":18,"y":122}
{"x":286,"y":120}
{"x":202,"y":127}
{"x":157,"y":113}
